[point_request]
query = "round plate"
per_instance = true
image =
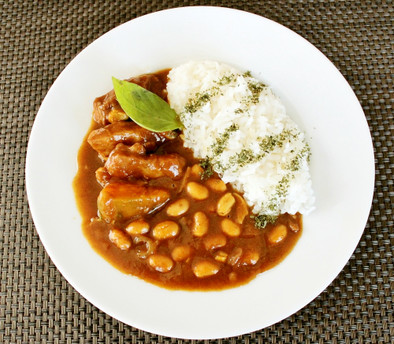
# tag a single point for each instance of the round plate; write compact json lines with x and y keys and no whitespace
{"x":317,"y":97}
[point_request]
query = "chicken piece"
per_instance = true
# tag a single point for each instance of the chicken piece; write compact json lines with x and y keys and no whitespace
{"x":137,"y":148}
{"x":106,"y":108}
{"x":102,"y":176}
{"x":105,"y":139}
{"x":124,"y":201}
{"x":152,"y":83}
{"x":103,"y":106}
{"x":124,"y":162}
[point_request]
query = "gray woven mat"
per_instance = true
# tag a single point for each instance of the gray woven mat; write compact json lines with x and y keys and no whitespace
{"x":39,"y":38}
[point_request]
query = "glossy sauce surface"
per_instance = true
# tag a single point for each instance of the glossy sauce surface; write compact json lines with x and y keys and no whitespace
{"x":201,"y":236}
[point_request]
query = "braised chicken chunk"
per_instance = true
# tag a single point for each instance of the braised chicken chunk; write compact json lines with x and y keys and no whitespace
{"x":105,"y":139}
{"x":124,"y":162}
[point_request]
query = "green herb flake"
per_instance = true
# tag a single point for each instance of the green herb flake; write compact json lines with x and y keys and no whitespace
{"x":261,"y":221}
{"x":294,"y":164}
{"x":244,"y":157}
{"x":304,"y":154}
{"x":145,"y":108}
{"x":226,"y":79}
{"x":197,"y":102}
{"x":221,"y":142}
{"x":208,"y":169}
{"x":308,"y":152}
{"x":255,"y":88}
{"x":282,"y":187}
{"x":268,"y":143}
{"x":280,"y":193}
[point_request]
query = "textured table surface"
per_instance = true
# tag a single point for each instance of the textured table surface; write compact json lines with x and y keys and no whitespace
{"x":39,"y":38}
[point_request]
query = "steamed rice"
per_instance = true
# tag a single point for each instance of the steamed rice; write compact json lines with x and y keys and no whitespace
{"x":238,"y":124}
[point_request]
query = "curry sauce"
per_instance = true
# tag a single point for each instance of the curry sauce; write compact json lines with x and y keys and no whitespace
{"x":177,"y":227}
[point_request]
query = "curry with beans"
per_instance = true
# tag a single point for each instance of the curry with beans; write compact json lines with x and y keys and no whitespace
{"x":151,"y":210}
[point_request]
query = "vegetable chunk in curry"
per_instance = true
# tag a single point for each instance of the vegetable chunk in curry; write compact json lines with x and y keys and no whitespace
{"x":154,"y":211}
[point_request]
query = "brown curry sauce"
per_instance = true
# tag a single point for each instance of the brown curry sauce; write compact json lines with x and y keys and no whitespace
{"x":238,"y":261}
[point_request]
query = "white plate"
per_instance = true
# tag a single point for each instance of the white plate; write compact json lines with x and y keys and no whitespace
{"x":317,"y":97}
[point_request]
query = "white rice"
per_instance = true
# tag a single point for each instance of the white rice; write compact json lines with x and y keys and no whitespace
{"x":237,"y":123}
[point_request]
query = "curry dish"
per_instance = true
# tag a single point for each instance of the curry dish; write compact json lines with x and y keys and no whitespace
{"x":153,"y":210}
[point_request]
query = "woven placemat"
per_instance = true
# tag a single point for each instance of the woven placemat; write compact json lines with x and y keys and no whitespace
{"x":39,"y":38}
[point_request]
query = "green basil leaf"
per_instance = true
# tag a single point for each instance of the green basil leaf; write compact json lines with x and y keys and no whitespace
{"x":145,"y":108}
